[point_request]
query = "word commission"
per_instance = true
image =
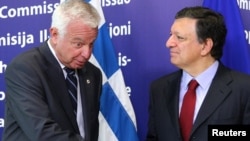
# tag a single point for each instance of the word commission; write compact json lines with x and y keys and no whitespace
{"x":9,"y":12}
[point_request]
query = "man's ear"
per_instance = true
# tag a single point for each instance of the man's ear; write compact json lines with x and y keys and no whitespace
{"x":53,"y":35}
{"x":207,"y":46}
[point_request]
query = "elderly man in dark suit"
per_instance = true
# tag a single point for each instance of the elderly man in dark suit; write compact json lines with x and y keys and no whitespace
{"x":38,"y":100}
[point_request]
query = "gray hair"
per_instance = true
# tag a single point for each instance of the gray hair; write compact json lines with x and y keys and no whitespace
{"x":74,"y":9}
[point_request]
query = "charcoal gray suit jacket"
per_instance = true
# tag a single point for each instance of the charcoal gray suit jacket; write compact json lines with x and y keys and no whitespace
{"x":227,"y":102}
{"x":38,"y":105}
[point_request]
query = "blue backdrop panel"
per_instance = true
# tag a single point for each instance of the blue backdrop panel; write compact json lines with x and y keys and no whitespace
{"x":139,"y":30}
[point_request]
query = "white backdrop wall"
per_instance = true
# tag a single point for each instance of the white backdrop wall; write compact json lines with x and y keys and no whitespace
{"x":138,"y":28}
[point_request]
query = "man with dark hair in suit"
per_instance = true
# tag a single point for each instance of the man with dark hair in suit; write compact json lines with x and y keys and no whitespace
{"x":223,"y":95}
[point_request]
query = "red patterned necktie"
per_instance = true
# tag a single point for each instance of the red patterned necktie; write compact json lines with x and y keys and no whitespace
{"x":187,"y":110}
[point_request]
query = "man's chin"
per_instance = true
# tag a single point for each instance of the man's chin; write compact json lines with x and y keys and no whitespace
{"x":79,"y":66}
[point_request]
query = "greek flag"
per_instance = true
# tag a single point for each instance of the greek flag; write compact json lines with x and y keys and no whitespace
{"x":236,"y":51}
{"x":116,"y":117}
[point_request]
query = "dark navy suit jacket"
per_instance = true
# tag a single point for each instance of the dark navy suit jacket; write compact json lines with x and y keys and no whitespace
{"x":38,"y":106}
{"x":227,"y":102}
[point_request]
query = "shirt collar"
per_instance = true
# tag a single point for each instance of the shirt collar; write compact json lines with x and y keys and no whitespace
{"x":204,"y":79}
{"x":54,"y":53}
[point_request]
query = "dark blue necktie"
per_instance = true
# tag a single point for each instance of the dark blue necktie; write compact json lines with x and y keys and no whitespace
{"x":72,"y":86}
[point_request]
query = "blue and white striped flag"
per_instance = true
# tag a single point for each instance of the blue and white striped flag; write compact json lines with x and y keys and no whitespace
{"x":117,"y":117}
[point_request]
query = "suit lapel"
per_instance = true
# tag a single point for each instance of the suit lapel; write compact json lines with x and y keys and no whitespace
{"x":83,"y":81}
{"x":62,"y":95}
{"x":173,"y":100}
{"x":217,"y":93}
{"x":58,"y":84}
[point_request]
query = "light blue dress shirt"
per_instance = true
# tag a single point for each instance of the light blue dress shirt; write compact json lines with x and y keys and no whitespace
{"x":204,"y":80}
